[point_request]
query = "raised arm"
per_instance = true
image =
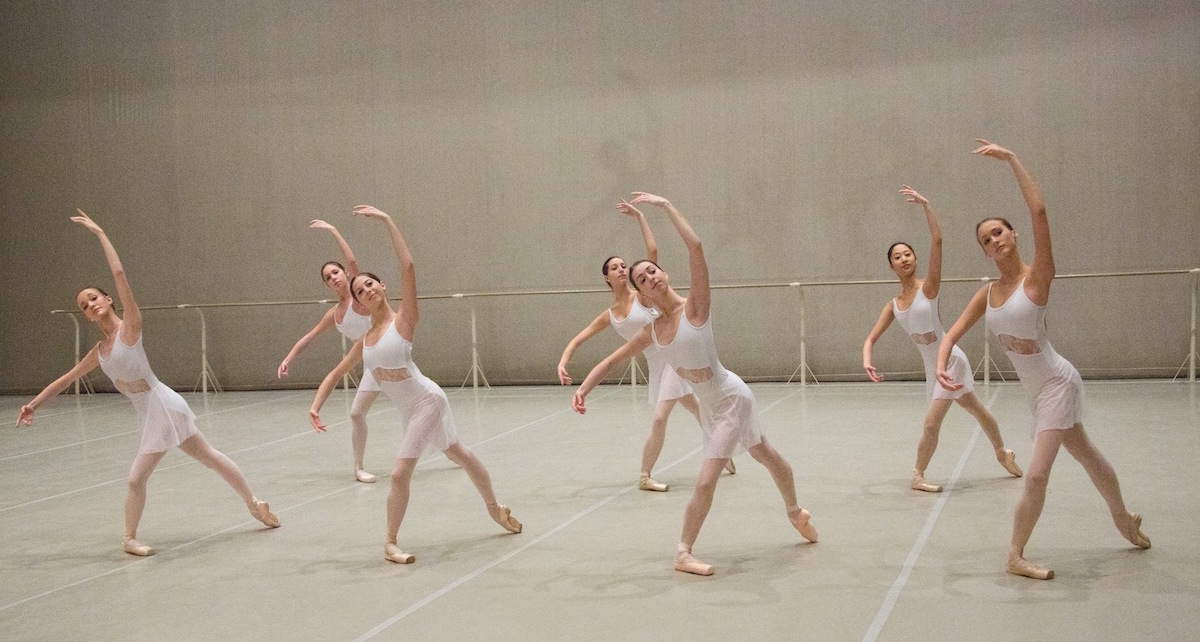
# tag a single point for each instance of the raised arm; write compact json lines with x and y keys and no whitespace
{"x":699,"y":296}
{"x":933,"y":274}
{"x":327,"y":321}
{"x":85,"y":365}
{"x":595,"y":327}
{"x":629,"y":210}
{"x":131,"y":326}
{"x":347,"y":253}
{"x":406,"y":321}
{"x":633,"y":347}
{"x":974,"y":310}
{"x":1037,"y":286}
{"x":885,"y":320}
{"x":352,"y":358}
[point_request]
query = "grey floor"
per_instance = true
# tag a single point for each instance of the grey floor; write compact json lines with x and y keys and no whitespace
{"x":594,"y":560}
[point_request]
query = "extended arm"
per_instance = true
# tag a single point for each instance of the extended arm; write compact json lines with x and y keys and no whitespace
{"x":347,"y":253}
{"x":631,"y":348}
{"x":595,"y":327}
{"x":85,"y":365}
{"x":974,"y":310}
{"x":1038,"y":283}
{"x":885,"y":320}
{"x":933,"y":276}
{"x":352,"y":358}
{"x":327,"y":321}
{"x":699,"y":296}
{"x":131,"y":326}
{"x":406,"y":321}
{"x":647,"y":234}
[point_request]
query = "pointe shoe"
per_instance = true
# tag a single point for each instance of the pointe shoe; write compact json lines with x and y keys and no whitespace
{"x":1018,"y":565}
{"x":648,"y":483}
{"x":730,"y":467}
{"x":134,"y":547}
{"x":392,"y":553}
{"x":1009,"y":461}
{"x":919,"y":483}
{"x":800,"y":519}
{"x":503,"y":517}
{"x":262,"y":512}
{"x":363,"y":476}
{"x":1133,"y":532}
{"x":685,"y":563}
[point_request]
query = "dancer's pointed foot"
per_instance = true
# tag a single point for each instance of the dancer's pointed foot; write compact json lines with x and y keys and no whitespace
{"x":730,"y":467}
{"x":1133,"y":531}
{"x":134,"y":547}
{"x":649,"y":483}
{"x":363,"y":476}
{"x":392,"y":553}
{"x":1008,"y":459}
{"x":919,"y":483}
{"x":1018,"y":565}
{"x":685,"y":563}
{"x":262,"y":512}
{"x":800,"y":519}
{"x":503,"y":517}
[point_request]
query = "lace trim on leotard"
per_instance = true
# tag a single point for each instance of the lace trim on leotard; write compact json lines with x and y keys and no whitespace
{"x":925,"y":339}
{"x":695,"y":375}
{"x":131,"y":387}
{"x":1017,"y":345}
{"x":391,"y":374}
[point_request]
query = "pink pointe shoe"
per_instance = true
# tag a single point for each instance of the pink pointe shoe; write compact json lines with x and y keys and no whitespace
{"x":686,"y":563}
{"x":262,"y":512}
{"x":134,"y":547}
{"x":392,"y":553}
{"x":1133,"y":532}
{"x":646,"y":482}
{"x":1018,"y":565}
{"x":1009,"y":461}
{"x":919,"y":483}
{"x":800,"y":518}
{"x":503,"y":517}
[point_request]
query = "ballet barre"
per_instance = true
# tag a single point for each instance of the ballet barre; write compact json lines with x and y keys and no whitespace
{"x":207,"y":377}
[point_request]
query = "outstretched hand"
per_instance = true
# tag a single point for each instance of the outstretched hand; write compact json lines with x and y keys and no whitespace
{"x":369,"y":211}
{"x":86,"y":221}
{"x":577,"y":402}
{"x":626,"y":208}
{"x":875,"y":376}
{"x":947,"y":381}
{"x":563,"y":377}
{"x":26,"y":416}
{"x":913,"y":196}
{"x":990,"y":149}
{"x":318,"y":224}
{"x":649,"y":199}
{"x":315,"y":418}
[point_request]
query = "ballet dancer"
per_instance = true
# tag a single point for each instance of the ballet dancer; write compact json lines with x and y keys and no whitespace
{"x":386,"y":352}
{"x":165,"y":417}
{"x":1015,"y":305}
{"x":683,"y":334}
{"x":627,"y":315}
{"x":916,"y":310}
{"x":352,"y":321}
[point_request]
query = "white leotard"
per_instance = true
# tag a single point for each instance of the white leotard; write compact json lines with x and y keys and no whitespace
{"x":665,"y":385}
{"x":1052,"y":384}
{"x":353,"y":326}
{"x":923,"y":324}
{"x":166,"y":419}
{"x":728,"y":415}
{"x":424,"y":410}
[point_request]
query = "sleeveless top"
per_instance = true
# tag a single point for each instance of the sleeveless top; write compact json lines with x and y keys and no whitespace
{"x":924,"y":326}
{"x":353,"y":324}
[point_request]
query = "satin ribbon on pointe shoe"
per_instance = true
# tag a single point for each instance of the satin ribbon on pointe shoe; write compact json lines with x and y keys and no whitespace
{"x":392,"y":553}
{"x":262,"y":512}
{"x":919,"y":483}
{"x":1009,"y":461}
{"x":646,"y":482}
{"x":685,"y":563}
{"x":1018,"y":565}
{"x":134,"y":547}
